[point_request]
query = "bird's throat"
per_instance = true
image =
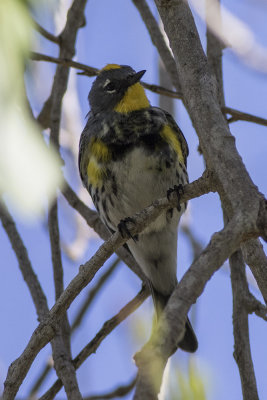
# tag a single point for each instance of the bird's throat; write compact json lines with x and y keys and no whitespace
{"x":133,"y":100}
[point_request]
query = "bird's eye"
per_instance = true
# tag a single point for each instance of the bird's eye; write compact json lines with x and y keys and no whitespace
{"x":110,"y":87}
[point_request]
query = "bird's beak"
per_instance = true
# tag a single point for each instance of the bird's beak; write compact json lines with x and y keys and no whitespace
{"x":136,"y":77}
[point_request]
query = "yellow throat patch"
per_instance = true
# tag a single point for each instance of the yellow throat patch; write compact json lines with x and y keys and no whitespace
{"x":133,"y":100}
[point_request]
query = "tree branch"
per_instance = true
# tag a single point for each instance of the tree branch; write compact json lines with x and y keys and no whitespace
{"x":242,"y":352}
{"x":214,"y":56}
{"x":46,"y":34}
{"x":257,"y":261}
{"x":200,"y":99}
{"x":77,"y":320}
{"x":46,"y":330}
{"x":92,"y":294}
{"x":93,"y":220}
{"x":61,"y":343}
{"x":36,"y":291}
{"x":120,"y":391}
{"x":152,"y":359}
{"x":242,"y":116}
{"x":159,"y":42}
{"x":91,"y":71}
{"x":106,"y":329}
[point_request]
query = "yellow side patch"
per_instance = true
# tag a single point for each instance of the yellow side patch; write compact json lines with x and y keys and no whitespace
{"x":169,"y":136}
{"x":100,"y":151}
{"x":110,"y":66}
{"x":134,"y":99}
{"x":94,"y":172}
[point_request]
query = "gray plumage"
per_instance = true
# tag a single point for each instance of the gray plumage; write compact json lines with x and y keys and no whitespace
{"x":141,"y":166}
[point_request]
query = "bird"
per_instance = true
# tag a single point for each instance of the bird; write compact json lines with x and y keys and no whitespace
{"x":130,"y":154}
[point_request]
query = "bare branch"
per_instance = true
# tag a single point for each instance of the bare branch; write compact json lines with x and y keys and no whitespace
{"x":92,"y":294}
{"x":77,"y":320}
{"x":52,"y":107}
{"x":253,"y":305}
{"x":61,"y":343}
{"x":242,"y":116}
{"x":214,"y":56}
{"x":46,"y":330}
{"x":162,"y":90}
{"x":46,"y":34}
{"x":121,"y":391}
{"x":152,"y":359}
{"x":257,"y":261}
{"x":106,"y":329}
{"x":31,"y":279}
{"x":242,"y":352}
{"x":234,"y":33}
{"x":36,"y":291}
{"x":56,"y":250}
{"x":40,"y":379}
{"x":91,"y":71}
{"x":158,"y":40}
{"x":196,"y":245}
{"x":235,"y":188}
{"x":93,"y":220}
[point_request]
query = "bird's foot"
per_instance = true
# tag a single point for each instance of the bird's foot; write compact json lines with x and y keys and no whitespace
{"x":124,"y":228}
{"x":178,"y":190}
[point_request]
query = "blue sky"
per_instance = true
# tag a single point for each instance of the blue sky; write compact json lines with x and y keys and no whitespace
{"x":115,"y":34}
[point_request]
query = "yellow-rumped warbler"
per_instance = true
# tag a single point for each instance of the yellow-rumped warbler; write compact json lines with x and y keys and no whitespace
{"x":130,"y":155}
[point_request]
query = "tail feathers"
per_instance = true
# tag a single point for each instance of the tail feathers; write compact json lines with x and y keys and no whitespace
{"x":189,"y":342}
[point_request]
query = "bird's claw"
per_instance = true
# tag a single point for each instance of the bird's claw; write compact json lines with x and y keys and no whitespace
{"x":178,"y":190}
{"x":124,"y":229}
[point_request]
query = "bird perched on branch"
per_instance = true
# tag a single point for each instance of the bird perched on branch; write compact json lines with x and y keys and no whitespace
{"x":130,"y":155}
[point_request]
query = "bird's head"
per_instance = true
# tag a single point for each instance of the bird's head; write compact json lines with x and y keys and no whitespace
{"x":117,"y":88}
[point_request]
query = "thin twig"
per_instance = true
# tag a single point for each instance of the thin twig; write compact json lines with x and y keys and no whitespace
{"x":34,"y":286}
{"x":61,"y":342}
{"x":92,"y":294}
{"x":106,"y":329}
{"x":152,"y":359}
{"x":256,"y":259}
{"x":158,"y":40}
{"x":46,"y":34}
{"x":242,"y":116}
{"x":77,"y":320}
{"x":120,"y":391}
{"x":242,"y":352}
{"x":93,"y":220}
{"x":40,"y":379}
{"x":214,"y":56}
{"x":46,"y":331}
{"x":91,"y":71}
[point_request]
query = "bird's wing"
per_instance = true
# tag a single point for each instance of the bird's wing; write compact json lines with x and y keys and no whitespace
{"x":179,"y":134}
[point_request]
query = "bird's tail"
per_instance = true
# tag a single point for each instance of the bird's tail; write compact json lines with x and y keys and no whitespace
{"x":189,"y":342}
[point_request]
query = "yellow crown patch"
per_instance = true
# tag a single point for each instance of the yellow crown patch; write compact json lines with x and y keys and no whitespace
{"x":110,"y":66}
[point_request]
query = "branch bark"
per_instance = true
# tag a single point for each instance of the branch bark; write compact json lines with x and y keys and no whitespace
{"x":201,"y":99}
{"x":152,"y":359}
{"x":242,"y":352}
{"x":106,"y":329}
{"x":199,"y":90}
{"x":158,"y":40}
{"x":257,"y":261}
{"x":236,"y":115}
{"x":47,"y":329}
